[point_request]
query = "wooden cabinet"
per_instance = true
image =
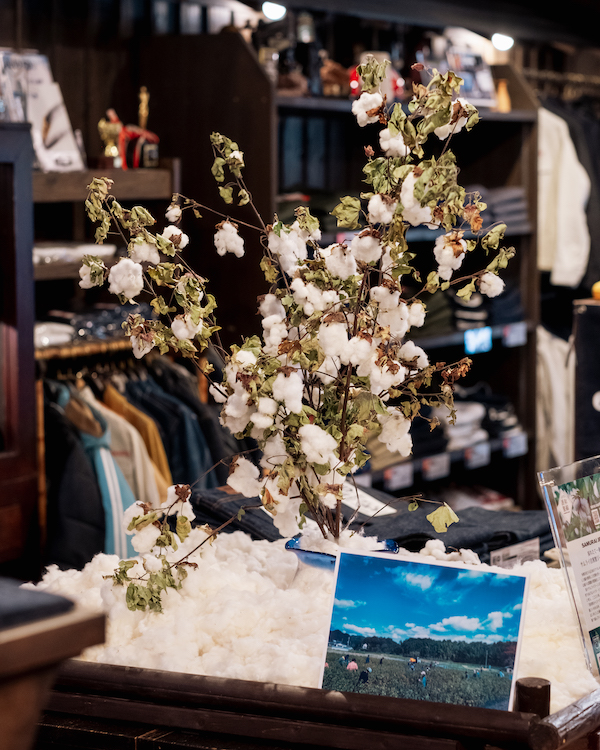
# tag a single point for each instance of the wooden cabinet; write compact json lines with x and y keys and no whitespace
{"x":18,"y":468}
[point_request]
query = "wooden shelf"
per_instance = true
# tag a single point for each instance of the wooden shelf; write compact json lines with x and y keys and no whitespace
{"x":330,"y":104}
{"x":129,"y":184}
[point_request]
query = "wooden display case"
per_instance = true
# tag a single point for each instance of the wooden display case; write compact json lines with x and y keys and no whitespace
{"x":18,"y":464}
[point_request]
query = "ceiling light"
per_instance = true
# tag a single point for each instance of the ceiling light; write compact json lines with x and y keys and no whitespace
{"x":274,"y":11}
{"x":500,"y":41}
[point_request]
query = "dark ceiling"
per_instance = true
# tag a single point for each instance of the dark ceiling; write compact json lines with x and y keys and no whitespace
{"x":574,"y":22}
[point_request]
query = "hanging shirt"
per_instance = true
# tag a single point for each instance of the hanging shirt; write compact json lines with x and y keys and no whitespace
{"x":129,"y":451}
{"x":144,"y":425}
{"x":187,"y":450}
{"x":563,"y":192}
{"x":115,"y":492}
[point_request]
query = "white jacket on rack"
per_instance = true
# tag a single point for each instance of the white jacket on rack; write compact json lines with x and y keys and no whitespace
{"x":563,"y":193}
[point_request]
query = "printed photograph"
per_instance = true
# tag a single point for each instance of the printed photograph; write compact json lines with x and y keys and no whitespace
{"x":578,"y":505}
{"x":426,"y":631}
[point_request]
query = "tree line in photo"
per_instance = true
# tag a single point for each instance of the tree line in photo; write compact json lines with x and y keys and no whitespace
{"x":500,"y":654}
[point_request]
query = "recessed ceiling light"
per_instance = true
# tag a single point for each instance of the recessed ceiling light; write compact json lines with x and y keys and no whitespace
{"x":502,"y":42}
{"x":274,"y":11}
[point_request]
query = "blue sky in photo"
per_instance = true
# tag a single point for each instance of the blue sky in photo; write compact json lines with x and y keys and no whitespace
{"x":399,"y":599}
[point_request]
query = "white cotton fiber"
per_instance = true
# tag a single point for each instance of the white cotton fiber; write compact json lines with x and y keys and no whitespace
{"x":250,"y":611}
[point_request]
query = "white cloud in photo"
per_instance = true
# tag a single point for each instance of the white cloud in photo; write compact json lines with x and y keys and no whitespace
{"x":348,"y":603}
{"x":471,"y":576}
{"x":501,"y":580}
{"x":496,"y":619}
{"x":518,"y":607}
{"x":457,"y":623}
{"x":366,"y":631}
{"x":419,"y":580}
{"x":409,"y":624}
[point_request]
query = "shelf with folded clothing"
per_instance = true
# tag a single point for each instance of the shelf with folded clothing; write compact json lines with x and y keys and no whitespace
{"x":62,"y":260}
{"x":437,"y":466}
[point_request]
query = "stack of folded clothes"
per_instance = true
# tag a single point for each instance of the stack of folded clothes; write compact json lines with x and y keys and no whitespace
{"x":467,"y":428}
{"x":481,"y":311}
{"x":500,"y":419}
{"x":103,"y":321}
{"x":478,"y":528}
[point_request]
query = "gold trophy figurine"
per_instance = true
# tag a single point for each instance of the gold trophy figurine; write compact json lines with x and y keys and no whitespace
{"x":109,"y":133}
{"x":148,"y":141}
{"x":143,"y":109}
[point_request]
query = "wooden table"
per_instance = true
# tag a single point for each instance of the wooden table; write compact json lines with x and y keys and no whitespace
{"x":30,"y":655}
{"x":106,"y":707}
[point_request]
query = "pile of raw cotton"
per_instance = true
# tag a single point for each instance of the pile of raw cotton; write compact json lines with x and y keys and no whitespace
{"x":250,"y":611}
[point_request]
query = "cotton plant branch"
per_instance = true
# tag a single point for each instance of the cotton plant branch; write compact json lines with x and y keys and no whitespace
{"x":333,"y":367}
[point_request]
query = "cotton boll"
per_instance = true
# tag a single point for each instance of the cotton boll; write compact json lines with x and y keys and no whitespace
{"x":333,"y":338}
{"x":381,"y":210}
{"x":386,"y":298}
{"x":491,"y":285}
{"x":183,"y":327}
{"x":395,"y":433}
{"x":366,"y":248}
{"x":274,"y":452}
{"x":410,"y":351}
{"x":152,"y":564}
{"x":358,"y":350}
{"x":393,"y":145}
{"x":140,"y":346}
{"x":86,"y":281}
{"x":290,"y":247}
{"x":363,"y":105}
{"x":396,"y":319}
{"x":456,"y":123}
{"x":241,"y":360}
{"x":267,"y":406}
{"x":275,"y":331}
{"x":271,"y":306}
{"x":288,"y":390}
{"x":134,"y":510}
{"x":227,"y":240}
{"x":126,"y":278}
{"x":341,"y":262}
{"x":173,"y":213}
{"x":449,"y":251}
{"x":329,"y":369}
{"x":145,"y":539}
{"x":177,"y":501}
{"x":176,"y":236}
{"x":218,"y":393}
{"x":141,"y":252}
{"x":433,"y":547}
{"x":413,"y":212}
{"x":286,"y":508}
{"x":237,"y":410}
{"x":416,"y":314}
{"x":245,"y":477}
{"x":311,"y":298}
{"x":318,"y":445}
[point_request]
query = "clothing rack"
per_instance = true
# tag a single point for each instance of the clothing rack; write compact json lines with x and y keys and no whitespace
{"x":84,"y":349}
